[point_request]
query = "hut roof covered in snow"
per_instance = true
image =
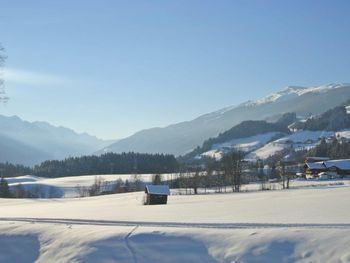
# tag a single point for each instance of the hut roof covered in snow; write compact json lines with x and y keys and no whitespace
{"x":340,"y":164}
{"x":158,"y":189}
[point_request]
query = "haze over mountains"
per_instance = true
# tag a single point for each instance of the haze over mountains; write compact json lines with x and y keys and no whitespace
{"x":30,"y":143}
{"x":182,"y":137}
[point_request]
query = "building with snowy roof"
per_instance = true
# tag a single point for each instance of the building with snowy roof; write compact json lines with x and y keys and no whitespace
{"x":314,"y":168}
{"x":313,"y":159}
{"x":341,"y":167}
{"x":156,"y":194}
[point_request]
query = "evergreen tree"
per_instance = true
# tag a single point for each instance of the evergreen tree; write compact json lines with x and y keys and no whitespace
{"x":157,"y":179}
{"x":4,"y":189}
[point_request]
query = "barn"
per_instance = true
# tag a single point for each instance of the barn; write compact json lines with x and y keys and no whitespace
{"x":156,"y":194}
{"x":340,"y":167}
{"x":314,"y":168}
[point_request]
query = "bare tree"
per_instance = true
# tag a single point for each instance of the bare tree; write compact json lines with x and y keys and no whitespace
{"x":285,"y":176}
{"x":96,"y":188}
{"x":82,"y":191}
{"x":137,"y":183}
{"x":157,"y":179}
{"x":118,"y":186}
{"x":232,"y":167}
{"x":3,"y":97}
{"x":194,"y":181}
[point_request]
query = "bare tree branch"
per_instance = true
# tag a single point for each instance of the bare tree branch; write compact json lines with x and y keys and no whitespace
{"x":3,"y":97}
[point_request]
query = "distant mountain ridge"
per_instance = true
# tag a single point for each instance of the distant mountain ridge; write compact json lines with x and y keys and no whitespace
{"x":30,"y":143}
{"x":183,"y":137}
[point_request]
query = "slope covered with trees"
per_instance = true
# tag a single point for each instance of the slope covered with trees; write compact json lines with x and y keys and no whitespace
{"x":332,"y":120}
{"x":334,"y":150}
{"x":246,"y":129}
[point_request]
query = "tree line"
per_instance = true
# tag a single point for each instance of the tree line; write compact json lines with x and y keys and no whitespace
{"x":336,"y":149}
{"x":12,"y":170}
{"x":109,"y":163}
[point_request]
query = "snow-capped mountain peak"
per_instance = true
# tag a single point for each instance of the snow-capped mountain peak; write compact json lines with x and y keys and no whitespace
{"x":294,"y":91}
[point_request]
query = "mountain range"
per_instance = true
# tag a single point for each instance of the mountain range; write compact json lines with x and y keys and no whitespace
{"x":183,"y":137}
{"x":30,"y":143}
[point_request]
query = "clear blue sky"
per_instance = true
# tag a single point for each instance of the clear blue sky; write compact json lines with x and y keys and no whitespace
{"x":111,"y":68}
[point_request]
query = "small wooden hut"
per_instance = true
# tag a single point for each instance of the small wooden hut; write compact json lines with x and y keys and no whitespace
{"x":156,"y":194}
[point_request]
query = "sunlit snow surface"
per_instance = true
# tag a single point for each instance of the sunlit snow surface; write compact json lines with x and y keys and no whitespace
{"x":304,"y":224}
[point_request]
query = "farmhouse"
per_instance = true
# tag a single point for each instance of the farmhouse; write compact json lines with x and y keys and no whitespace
{"x":341,"y":167}
{"x":156,"y":194}
{"x":316,"y":159}
{"x":314,"y":168}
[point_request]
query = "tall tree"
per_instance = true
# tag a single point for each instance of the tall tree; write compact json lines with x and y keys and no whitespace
{"x":232,"y":167}
{"x":4,"y":188}
{"x":157,"y":179}
{"x":3,"y":97}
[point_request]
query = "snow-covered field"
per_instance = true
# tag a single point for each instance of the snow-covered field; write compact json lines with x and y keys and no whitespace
{"x":300,"y":225}
{"x":67,"y":186}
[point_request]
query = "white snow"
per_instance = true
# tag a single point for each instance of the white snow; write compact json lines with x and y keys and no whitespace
{"x":266,"y":151}
{"x":303,"y":136}
{"x":67,"y":186}
{"x":301,"y":140}
{"x":293,"y":92}
{"x":216,"y":154}
{"x":246,"y":144}
{"x":260,"y":149}
{"x":344,"y":134}
{"x":300,"y":225}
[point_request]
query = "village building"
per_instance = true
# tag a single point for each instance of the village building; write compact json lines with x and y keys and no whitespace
{"x":156,"y":194}
{"x":339,"y":167}
{"x":314,"y":159}
{"x":314,"y":168}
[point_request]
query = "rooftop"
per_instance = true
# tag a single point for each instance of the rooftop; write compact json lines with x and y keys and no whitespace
{"x":158,"y":189}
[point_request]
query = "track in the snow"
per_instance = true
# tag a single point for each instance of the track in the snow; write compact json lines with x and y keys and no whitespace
{"x":173,"y":224}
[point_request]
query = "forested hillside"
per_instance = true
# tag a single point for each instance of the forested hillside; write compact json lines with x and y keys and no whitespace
{"x":247,"y":129}
{"x":334,"y":119}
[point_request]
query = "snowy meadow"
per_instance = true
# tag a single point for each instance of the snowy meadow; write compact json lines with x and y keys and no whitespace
{"x":308,"y":223}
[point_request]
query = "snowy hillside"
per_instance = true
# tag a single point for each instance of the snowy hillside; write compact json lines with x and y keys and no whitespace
{"x":243,"y":144}
{"x":301,"y":140}
{"x":260,"y":147}
{"x":301,"y":225}
{"x":292,"y":92}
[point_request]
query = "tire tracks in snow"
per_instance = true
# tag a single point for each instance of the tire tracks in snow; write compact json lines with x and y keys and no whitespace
{"x":130,"y":248}
{"x":68,"y":221}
